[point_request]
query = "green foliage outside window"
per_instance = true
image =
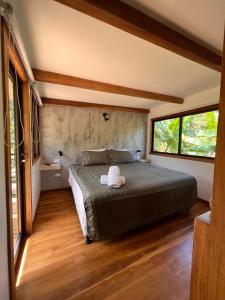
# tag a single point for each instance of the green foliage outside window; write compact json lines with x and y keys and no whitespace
{"x":166,"y":135}
{"x":199,"y":134}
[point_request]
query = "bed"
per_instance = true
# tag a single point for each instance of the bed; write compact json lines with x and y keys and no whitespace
{"x":150,"y":194}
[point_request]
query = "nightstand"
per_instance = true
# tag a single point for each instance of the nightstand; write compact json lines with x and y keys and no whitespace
{"x":144,"y":160}
{"x":50,"y":176}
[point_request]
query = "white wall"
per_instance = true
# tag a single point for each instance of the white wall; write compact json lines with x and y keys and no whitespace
{"x":203,"y":171}
{"x":4,"y":283}
{"x":36,"y":186}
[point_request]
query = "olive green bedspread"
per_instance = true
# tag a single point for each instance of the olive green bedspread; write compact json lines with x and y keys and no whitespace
{"x":150,"y":194}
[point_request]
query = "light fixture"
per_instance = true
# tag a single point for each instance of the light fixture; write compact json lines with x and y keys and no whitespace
{"x":106,"y":116}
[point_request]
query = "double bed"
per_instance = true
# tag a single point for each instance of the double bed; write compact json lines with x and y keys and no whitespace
{"x":150,"y":194}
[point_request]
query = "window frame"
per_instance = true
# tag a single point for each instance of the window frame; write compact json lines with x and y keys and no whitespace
{"x":181,"y":115}
{"x":35,"y":108}
{"x":10,"y":55}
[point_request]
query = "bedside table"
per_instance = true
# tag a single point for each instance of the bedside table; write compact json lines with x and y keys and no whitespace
{"x":144,"y":160}
{"x":49,"y":167}
{"x":51,"y":177}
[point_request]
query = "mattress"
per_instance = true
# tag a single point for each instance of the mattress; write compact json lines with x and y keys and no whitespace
{"x":150,"y":194}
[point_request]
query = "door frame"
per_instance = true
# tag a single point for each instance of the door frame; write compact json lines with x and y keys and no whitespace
{"x":10,"y":54}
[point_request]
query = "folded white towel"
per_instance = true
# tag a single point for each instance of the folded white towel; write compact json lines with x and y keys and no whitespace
{"x":114,"y":181}
{"x":114,"y":171}
{"x":104,"y":180}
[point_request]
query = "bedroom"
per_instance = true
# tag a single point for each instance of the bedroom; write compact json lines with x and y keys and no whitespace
{"x":90,"y":88}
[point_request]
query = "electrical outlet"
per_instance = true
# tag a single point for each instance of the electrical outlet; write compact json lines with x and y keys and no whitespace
{"x":56,"y":160}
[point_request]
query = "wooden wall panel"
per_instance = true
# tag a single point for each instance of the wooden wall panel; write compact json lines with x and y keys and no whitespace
{"x":208,"y":267}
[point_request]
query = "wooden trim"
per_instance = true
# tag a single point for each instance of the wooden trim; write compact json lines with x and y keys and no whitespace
{"x":13,"y":53}
{"x":5,"y":72}
{"x":201,"y":245}
{"x":16,"y":61}
{"x":180,"y":156}
{"x":27,"y":156}
{"x":188,"y":112}
{"x":34,"y":99}
{"x":180,"y":116}
{"x":129,"y":19}
{"x":180,"y":135}
{"x":56,"y":78}
{"x":10,"y":55}
{"x":208,"y":263}
{"x":49,"y":101}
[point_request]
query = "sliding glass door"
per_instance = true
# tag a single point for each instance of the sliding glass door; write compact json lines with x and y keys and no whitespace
{"x":15,"y":143}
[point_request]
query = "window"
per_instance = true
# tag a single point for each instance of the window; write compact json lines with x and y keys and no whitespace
{"x":187,"y":134}
{"x":35,"y":128}
{"x":199,"y":134}
{"x":166,"y":135}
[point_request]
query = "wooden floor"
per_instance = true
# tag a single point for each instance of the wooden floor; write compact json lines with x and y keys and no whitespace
{"x":150,"y":263}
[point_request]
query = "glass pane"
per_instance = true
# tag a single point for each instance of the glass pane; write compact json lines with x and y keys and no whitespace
{"x":166,"y":136}
{"x":15,"y":204}
{"x":199,"y":133}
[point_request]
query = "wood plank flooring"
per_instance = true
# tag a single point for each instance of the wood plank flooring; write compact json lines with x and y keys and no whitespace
{"x":152,"y":263}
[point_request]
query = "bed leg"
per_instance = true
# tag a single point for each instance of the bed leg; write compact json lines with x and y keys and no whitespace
{"x":87,"y":240}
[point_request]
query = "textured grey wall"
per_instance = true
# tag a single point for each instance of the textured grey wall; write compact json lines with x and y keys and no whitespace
{"x":73,"y":130}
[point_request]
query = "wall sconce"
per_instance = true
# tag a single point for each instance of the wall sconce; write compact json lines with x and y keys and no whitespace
{"x":106,"y":116}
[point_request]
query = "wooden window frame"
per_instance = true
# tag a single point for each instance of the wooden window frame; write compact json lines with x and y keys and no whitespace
{"x":35,"y":158}
{"x":181,"y":115}
{"x":10,"y":55}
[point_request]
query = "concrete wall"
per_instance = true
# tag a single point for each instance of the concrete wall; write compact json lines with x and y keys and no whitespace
{"x":203,"y":171}
{"x":73,"y":130}
{"x":4,"y":282}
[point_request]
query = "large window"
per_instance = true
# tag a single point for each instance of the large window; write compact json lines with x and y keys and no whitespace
{"x":187,"y":134}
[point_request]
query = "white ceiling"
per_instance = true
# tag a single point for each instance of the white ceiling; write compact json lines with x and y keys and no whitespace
{"x":62,"y":40}
{"x":202,"y":20}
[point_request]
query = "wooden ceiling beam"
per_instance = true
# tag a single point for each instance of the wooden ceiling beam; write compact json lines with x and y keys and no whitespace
{"x":129,"y":19}
{"x":51,"y":101}
{"x":56,"y":78}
